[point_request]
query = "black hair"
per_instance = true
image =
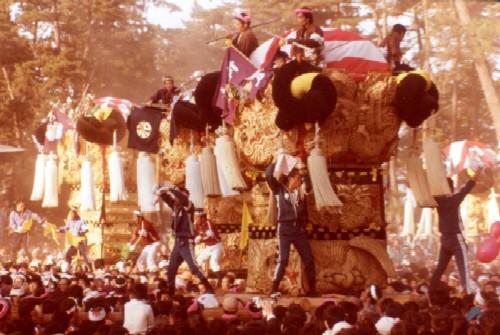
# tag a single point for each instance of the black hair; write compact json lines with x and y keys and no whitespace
{"x":139,"y":291}
{"x":333,"y":314}
{"x":399,"y":28}
{"x":280,"y":54}
{"x":6,"y":279}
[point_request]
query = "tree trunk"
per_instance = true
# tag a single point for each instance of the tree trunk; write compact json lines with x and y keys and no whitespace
{"x":385,"y":30}
{"x":490,"y":94}
{"x":418,"y":25}
{"x":378,"y":29}
{"x":429,"y":125}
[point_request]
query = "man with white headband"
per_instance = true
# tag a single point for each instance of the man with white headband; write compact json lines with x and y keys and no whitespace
{"x":145,"y":234}
{"x":244,"y":39}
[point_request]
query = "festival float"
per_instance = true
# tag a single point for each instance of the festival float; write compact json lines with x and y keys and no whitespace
{"x":345,"y":143}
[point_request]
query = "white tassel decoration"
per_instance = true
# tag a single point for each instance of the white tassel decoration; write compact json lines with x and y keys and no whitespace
{"x":193,"y":181}
{"x":51,"y":187}
{"x":39,"y":180}
{"x":436,"y":173}
{"x":324,"y":195}
{"x":209,"y":176}
{"x":146,"y":181}
{"x":117,"y":191}
{"x":224,"y":188}
{"x":409,"y":214}
{"x":425,"y":224}
{"x":87,"y":187}
{"x":418,"y":182}
{"x":225,"y":154}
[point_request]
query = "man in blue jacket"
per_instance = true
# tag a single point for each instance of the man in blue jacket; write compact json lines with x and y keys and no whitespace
{"x":177,"y":199}
{"x":452,"y":240}
{"x":292,"y":218}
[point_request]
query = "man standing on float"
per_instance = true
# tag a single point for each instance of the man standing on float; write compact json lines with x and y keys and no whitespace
{"x":289,"y":185}
{"x":177,"y":198}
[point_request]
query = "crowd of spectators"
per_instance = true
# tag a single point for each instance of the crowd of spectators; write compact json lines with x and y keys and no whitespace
{"x":47,"y":296}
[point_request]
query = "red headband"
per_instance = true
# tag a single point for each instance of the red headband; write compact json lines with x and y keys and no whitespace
{"x":303,"y":11}
{"x":244,"y":18}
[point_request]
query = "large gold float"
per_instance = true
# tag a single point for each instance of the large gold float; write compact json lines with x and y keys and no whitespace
{"x":348,"y":243}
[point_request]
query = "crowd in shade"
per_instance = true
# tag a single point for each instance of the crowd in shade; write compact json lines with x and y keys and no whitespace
{"x":47,"y":296}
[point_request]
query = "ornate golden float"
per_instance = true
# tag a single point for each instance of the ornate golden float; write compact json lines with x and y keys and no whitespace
{"x":349,"y":243}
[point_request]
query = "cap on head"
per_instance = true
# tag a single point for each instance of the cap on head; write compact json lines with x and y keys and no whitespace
{"x":243,"y":17}
{"x":137,"y":213}
{"x":303,"y":10}
{"x":167,"y":78}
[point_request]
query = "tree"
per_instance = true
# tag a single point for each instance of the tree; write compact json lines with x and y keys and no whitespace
{"x":482,"y":69}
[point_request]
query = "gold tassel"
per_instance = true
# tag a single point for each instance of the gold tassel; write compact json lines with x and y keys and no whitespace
{"x":324,"y":195}
{"x":225,"y":154}
{"x":418,"y":182}
{"x":436,"y":174}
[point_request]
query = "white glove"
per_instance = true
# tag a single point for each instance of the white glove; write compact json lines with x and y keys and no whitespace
{"x":197,"y":240}
{"x":131,"y":247}
{"x":163,"y":188}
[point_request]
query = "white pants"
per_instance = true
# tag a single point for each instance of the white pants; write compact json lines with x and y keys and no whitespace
{"x":148,"y":257}
{"x":212,"y":252}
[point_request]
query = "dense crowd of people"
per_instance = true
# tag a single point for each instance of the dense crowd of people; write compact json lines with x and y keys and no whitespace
{"x":47,"y":296}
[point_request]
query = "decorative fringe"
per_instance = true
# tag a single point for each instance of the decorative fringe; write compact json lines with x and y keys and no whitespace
{"x":117,"y":191}
{"x":376,"y":248}
{"x":225,"y":154}
{"x":51,"y":187}
{"x":193,"y":181}
{"x":436,"y":174}
{"x":272,"y":209}
{"x":209,"y":176}
{"x":146,"y":181}
{"x":87,"y":187}
{"x":39,"y":180}
{"x":324,"y":195}
{"x":418,"y":182}
{"x":409,"y":214}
